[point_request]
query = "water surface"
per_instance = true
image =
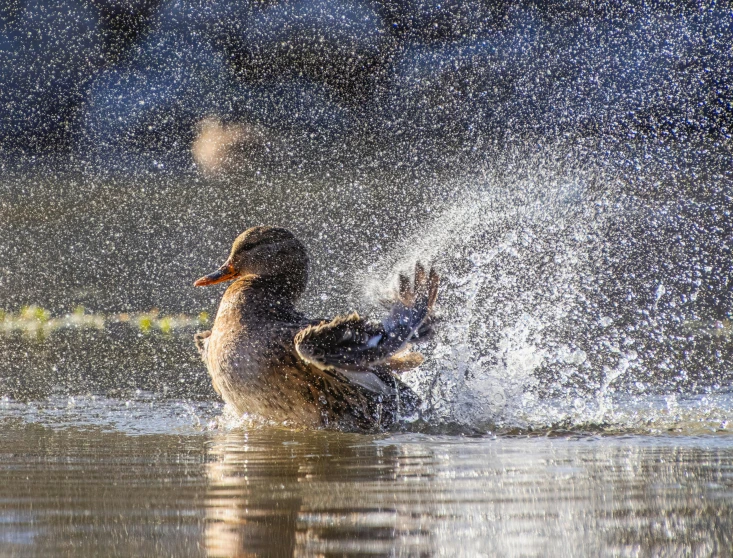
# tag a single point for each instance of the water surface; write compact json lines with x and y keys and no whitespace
{"x":91,"y":476}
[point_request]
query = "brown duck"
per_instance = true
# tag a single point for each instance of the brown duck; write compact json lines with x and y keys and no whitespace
{"x":267,"y":359}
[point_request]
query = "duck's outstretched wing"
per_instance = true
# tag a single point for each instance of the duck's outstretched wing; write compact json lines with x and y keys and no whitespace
{"x":350,"y":343}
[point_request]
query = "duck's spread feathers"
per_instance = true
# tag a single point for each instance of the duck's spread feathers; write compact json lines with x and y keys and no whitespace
{"x":350,"y":343}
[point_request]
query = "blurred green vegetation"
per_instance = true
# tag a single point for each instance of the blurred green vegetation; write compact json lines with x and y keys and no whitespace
{"x":34,"y":320}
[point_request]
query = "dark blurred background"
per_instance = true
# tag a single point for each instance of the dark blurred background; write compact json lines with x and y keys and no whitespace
{"x":131,"y":84}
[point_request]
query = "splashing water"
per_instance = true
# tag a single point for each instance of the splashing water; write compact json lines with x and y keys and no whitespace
{"x":561,"y":307}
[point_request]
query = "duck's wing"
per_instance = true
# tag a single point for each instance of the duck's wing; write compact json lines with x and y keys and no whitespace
{"x":352,"y":344}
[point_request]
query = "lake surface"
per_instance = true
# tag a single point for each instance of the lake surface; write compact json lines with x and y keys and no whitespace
{"x":93,"y":476}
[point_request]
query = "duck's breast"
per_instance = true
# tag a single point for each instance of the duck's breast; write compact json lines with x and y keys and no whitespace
{"x":255,"y":368}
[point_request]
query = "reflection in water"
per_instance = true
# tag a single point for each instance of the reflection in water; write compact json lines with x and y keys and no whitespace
{"x":309,"y":494}
{"x":250,"y":510}
{"x":84,"y":491}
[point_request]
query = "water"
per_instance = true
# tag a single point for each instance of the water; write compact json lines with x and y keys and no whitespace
{"x":567,"y":291}
{"x":577,"y":395}
{"x":84,"y":478}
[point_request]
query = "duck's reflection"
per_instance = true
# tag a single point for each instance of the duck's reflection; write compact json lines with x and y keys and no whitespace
{"x":266,"y":495}
{"x":252,"y":503}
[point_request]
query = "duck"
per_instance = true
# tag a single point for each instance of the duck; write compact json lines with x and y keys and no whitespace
{"x":269,"y":361}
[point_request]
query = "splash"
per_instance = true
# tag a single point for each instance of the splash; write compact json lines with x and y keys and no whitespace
{"x":550,"y":313}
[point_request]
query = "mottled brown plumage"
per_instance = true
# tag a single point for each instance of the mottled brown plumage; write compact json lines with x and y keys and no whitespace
{"x":266,"y":359}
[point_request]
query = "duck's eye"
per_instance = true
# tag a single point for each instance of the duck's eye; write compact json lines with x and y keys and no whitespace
{"x":246,"y":247}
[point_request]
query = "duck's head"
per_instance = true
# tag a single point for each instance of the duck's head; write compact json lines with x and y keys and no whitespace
{"x":267,"y":252}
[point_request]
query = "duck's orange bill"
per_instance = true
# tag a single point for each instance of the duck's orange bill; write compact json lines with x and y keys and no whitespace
{"x":224,"y":273}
